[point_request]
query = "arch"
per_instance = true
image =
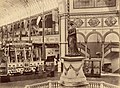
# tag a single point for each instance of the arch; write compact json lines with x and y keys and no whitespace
{"x":109,"y":32}
{"x":93,"y":32}
{"x":81,"y":35}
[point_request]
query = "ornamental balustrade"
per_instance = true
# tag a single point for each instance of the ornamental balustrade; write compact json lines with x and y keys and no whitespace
{"x":56,"y":84}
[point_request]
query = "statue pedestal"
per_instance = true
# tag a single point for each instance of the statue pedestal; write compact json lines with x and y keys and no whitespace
{"x":73,"y":75}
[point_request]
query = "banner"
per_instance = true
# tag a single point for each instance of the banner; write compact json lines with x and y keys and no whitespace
{"x":38,"y":20}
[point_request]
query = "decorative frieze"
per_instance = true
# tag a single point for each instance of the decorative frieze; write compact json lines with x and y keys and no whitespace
{"x":78,"y":22}
{"x":95,"y":21}
{"x":110,"y":21}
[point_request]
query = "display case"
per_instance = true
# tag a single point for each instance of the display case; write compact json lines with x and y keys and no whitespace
{"x":92,"y":68}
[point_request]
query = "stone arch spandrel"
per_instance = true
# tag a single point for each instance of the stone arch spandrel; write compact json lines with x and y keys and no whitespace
{"x":94,"y":32}
{"x":111,"y":32}
{"x":79,"y":35}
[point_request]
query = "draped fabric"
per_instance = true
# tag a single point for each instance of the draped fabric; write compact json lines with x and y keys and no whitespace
{"x":75,"y":69}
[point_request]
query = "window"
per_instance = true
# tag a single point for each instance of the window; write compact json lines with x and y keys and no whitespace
{"x":92,"y":68}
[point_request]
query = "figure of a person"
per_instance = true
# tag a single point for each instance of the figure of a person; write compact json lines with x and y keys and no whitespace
{"x":72,"y":40}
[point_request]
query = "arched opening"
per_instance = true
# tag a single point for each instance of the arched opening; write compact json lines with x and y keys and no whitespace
{"x":111,"y":40}
{"x":111,"y":37}
{"x":111,"y":51}
{"x":94,"y":43}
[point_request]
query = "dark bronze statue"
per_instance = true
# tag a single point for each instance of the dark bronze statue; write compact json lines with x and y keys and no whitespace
{"x":72,"y":41}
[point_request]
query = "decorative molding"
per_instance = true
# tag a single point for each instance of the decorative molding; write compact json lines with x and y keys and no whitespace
{"x":93,"y":22}
{"x":110,"y":21}
{"x":78,"y":22}
{"x":115,"y":12}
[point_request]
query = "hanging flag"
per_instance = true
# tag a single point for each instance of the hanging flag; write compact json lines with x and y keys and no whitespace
{"x":8,"y":28}
{"x":55,"y":15}
{"x":38,"y":20}
{"x":6,"y":31}
{"x":2,"y":32}
{"x":4,"y":28}
{"x":25,"y":25}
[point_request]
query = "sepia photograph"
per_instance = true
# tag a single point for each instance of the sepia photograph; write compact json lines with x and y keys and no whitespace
{"x":59,"y":43}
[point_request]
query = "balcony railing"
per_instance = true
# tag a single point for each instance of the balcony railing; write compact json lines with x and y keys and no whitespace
{"x":56,"y":84}
{"x":82,"y":46}
{"x":110,"y":46}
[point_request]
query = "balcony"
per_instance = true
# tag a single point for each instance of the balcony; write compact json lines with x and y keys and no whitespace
{"x":56,"y":84}
{"x":47,"y":39}
{"x":50,"y":35}
{"x":111,"y":50}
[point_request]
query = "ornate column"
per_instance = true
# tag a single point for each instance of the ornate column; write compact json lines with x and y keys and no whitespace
{"x":62,"y":26}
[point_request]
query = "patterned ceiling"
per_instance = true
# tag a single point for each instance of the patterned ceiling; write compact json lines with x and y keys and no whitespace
{"x":14,"y":10}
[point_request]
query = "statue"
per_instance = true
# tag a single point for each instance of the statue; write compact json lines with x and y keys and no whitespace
{"x":73,"y":75}
{"x":72,"y":41}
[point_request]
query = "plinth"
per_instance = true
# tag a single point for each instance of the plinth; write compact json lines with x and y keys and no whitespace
{"x":73,"y":75}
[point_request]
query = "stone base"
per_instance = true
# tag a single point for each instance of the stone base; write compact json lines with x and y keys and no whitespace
{"x":74,"y":84}
{"x":73,"y":75}
{"x":61,"y":86}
